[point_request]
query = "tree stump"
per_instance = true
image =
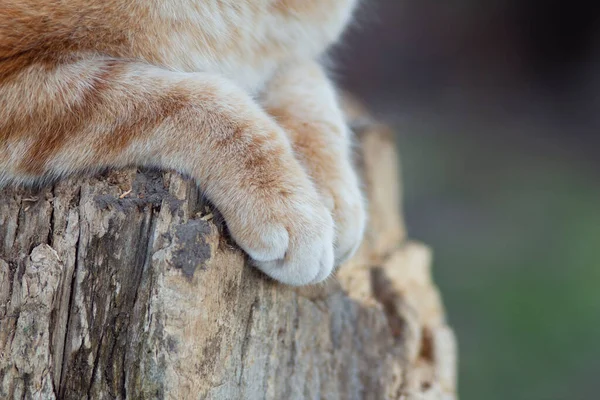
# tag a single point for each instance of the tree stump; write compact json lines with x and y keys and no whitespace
{"x":126,"y":285}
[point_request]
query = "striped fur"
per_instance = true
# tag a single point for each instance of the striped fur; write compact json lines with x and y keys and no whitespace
{"x":227,"y":91}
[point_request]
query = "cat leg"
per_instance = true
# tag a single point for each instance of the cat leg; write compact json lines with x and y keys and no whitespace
{"x":91,"y":113}
{"x":304,"y":103}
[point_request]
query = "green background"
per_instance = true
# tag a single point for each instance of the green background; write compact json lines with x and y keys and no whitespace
{"x":496,"y":108}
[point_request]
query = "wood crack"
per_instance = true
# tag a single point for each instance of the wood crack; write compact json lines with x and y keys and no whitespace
{"x":246,"y":339}
{"x":70,"y":314}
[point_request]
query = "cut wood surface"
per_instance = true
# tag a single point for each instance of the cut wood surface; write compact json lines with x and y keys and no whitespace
{"x":126,"y":285}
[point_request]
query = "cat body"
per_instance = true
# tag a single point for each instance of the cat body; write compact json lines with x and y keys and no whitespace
{"x":230,"y":92}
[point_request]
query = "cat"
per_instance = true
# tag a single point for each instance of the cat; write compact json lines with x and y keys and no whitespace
{"x":230,"y":92}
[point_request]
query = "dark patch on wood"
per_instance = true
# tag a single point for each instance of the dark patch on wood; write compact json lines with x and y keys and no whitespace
{"x":151,"y":187}
{"x":384,"y":293}
{"x":192,"y":249}
{"x":426,"y":352}
{"x":147,"y":189}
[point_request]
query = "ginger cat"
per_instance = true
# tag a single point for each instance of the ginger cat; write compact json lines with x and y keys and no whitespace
{"x":230,"y":92}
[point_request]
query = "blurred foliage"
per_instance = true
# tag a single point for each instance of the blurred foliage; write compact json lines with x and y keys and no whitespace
{"x":514,"y":221}
{"x":496,"y":104}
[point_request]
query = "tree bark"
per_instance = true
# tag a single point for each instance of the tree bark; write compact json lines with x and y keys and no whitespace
{"x":126,"y":285}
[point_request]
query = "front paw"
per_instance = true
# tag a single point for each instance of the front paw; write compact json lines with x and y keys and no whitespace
{"x":288,"y":237}
{"x":348,"y":209}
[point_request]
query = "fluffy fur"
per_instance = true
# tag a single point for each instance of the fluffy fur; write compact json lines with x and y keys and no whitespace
{"x":228,"y":91}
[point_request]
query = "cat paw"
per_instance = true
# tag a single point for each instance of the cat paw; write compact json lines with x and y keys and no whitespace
{"x":348,"y":209}
{"x":291,"y":239}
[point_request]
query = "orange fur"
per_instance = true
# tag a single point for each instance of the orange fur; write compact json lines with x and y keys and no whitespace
{"x":184,"y":84}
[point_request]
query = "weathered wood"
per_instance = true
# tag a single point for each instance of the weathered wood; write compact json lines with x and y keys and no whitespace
{"x":126,"y":285}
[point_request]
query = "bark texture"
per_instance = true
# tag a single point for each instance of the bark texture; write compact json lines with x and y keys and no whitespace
{"x":126,"y":285}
